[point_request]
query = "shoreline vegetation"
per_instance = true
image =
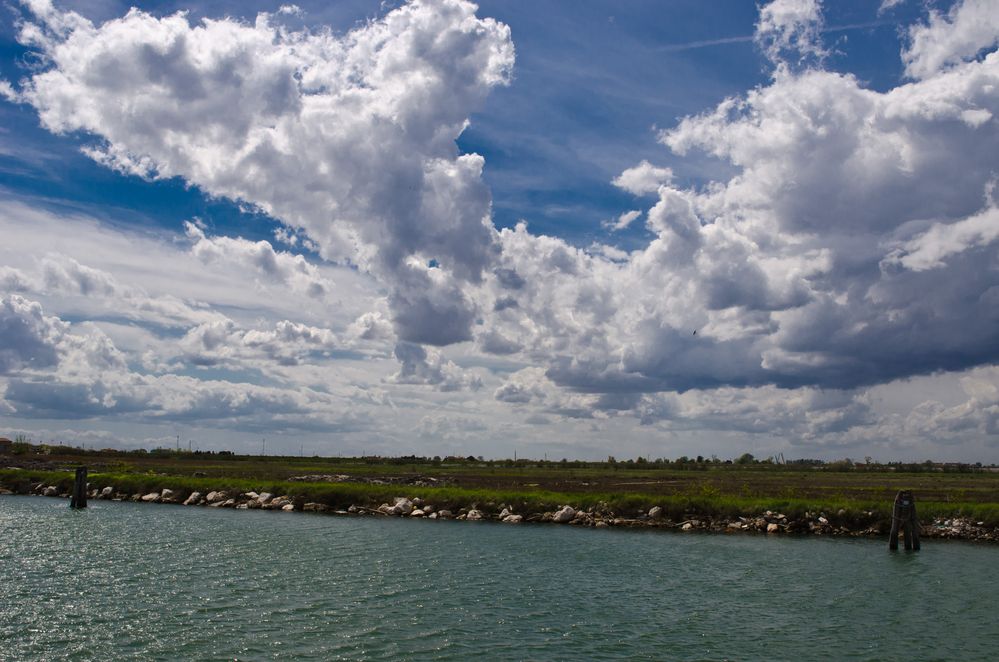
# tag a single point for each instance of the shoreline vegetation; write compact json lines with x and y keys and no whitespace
{"x":838,"y":499}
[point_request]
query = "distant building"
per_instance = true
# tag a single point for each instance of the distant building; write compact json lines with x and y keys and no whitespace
{"x":5,"y":444}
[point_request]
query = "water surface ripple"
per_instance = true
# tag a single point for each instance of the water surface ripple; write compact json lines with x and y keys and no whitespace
{"x":129,"y":581}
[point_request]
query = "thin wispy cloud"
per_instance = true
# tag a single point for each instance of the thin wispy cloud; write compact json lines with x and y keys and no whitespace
{"x":749,"y":38}
{"x":705,"y":43}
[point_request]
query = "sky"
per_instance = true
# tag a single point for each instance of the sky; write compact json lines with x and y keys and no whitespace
{"x":536,"y":228}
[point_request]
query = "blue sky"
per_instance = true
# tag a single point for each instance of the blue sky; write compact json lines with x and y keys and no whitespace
{"x":806,"y":185}
{"x":553,"y":140}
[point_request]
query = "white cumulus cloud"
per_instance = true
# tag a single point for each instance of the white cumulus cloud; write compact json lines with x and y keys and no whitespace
{"x":350,"y":138}
{"x":278,"y":266}
{"x":948,"y":39}
{"x":790,"y":28}
{"x":643,"y":178}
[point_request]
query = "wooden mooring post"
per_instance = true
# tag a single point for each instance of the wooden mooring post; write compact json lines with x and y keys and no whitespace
{"x":78,"y":498}
{"x":903,"y":515}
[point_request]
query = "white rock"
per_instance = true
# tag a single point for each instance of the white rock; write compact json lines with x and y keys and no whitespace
{"x":107,"y":492}
{"x":445,"y":514}
{"x":193,"y":499}
{"x":215,"y":496}
{"x":655,"y":512}
{"x":228,"y":503}
{"x":432,"y":516}
{"x":504,"y":513}
{"x":823,"y":520}
{"x":735,"y":525}
{"x":264,"y":497}
{"x":427,"y":508}
{"x":687,"y":526}
{"x":152,"y":496}
{"x":513,"y":519}
{"x":601,"y":524}
{"x":417,"y":513}
{"x":251,"y":495}
{"x":417,"y":501}
{"x":565,"y":514}
{"x":772,"y":528}
{"x":474,"y":515}
{"x":403,"y":506}
{"x":166,"y":494}
{"x":51,"y":490}
{"x":288,"y":507}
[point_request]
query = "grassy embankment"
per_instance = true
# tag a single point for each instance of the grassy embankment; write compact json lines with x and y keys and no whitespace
{"x":706,"y":490}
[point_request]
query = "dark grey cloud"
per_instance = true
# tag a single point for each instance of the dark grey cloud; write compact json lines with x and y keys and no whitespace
{"x":28,"y":339}
{"x":418,"y":365}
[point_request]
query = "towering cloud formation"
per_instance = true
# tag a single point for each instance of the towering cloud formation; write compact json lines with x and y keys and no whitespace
{"x":349,"y":138}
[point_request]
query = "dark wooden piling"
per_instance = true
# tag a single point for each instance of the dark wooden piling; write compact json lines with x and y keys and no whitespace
{"x":78,"y":498}
{"x":903,"y":516}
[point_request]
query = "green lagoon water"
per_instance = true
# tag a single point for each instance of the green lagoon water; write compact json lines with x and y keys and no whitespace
{"x":123,"y":581}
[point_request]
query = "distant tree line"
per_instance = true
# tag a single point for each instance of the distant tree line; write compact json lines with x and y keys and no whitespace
{"x":23,"y":445}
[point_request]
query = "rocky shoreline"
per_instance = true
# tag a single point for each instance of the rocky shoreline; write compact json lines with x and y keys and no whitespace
{"x":840,"y":523}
